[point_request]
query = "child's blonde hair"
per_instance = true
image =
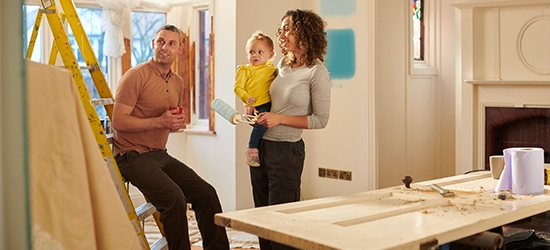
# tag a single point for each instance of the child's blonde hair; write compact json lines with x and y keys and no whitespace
{"x":260,"y":36}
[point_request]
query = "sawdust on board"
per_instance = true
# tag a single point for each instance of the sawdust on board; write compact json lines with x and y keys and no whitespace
{"x":462,"y":208}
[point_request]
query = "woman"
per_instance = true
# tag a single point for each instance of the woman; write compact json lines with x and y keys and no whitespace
{"x":300,"y":97}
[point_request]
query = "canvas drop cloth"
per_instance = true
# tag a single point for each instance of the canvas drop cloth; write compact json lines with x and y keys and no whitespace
{"x":74,"y":203}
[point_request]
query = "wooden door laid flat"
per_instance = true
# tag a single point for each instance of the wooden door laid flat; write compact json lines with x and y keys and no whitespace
{"x":390,"y":218}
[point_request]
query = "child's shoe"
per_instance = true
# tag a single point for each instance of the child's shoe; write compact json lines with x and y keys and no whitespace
{"x":252,"y":157}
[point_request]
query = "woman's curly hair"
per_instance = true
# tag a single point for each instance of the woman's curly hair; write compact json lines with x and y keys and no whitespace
{"x":309,"y":30}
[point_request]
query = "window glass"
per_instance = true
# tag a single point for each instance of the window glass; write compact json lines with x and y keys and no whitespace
{"x":29,"y":17}
{"x":203,"y":66}
{"x":88,"y":18}
{"x":144,"y":26}
{"x":418,"y":29}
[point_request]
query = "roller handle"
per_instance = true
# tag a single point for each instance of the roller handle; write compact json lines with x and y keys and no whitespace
{"x":226,"y":111}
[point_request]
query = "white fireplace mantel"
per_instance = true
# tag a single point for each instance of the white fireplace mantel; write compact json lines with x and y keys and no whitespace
{"x":466,"y":4}
{"x":504,"y":61}
{"x":509,"y":83}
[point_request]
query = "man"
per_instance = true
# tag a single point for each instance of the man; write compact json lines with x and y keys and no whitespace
{"x":142,"y":122}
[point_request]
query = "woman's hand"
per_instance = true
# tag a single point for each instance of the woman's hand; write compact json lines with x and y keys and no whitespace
{"x":269,"y":119}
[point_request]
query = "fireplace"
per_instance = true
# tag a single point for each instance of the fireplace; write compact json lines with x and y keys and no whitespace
{"x":503,"y":86}
{"x":507,"y":127}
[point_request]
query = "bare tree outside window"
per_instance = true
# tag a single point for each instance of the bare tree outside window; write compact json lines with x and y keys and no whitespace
{"x":88,"y":18}
{"x":144,"y":26}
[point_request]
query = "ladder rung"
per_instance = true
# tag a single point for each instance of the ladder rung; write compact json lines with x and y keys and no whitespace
{"x":102,"y":101}
{"x":46,"y":11}
{"x":145,"y":210}
{"x":91,"y":68}
{"x":160,"y":244}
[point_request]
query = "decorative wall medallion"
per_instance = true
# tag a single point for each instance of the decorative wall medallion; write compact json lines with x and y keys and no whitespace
{"x":534,"y":45}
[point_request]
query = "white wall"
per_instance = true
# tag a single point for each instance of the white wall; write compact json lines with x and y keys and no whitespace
{"x":348,"y":141}
{"x":446,"y":79}
{"x":385,"y":122}
{"x":415,"y":103}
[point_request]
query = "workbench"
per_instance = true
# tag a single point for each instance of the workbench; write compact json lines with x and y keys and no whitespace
{"x":390,"y":218}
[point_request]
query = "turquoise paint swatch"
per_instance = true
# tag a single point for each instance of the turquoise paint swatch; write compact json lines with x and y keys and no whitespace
{"x":337,"y":7}
{"x":340,"y":59}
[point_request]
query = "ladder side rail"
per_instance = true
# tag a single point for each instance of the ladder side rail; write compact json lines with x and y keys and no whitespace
{"x":53,"y":54}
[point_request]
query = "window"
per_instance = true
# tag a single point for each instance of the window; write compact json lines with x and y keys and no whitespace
{"x":29,"y":17}
{"x":418,"y":29}
{"x":196,"y":63}
{"x":144,"y":26}
{"x":94,"y":33}
{"x":203,"y":66}
{"x":423,"y":44}
{"x":96,"y":36}
{"x":200,"y":58}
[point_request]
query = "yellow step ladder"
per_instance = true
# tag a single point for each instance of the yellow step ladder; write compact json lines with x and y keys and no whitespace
{"x":63,"y":46}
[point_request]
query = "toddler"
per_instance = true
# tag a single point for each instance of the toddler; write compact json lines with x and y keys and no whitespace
{"x":252,"y":82}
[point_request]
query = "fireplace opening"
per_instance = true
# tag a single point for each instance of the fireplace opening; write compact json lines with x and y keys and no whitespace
{"x":507,"y":127}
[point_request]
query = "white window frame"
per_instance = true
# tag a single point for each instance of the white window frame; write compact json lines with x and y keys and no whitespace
{"x":430,"y":16}
{"x":196,"y":123}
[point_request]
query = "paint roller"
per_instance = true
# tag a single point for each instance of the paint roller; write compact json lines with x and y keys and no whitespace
{"x":231,"y":114}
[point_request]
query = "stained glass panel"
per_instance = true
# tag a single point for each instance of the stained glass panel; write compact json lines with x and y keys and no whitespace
{"x":418,"y":29}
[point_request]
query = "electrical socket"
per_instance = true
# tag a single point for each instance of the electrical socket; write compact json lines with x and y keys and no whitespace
{"x":344,"y":175}
{"x":322,"y":172}
{"x":332,"y":173}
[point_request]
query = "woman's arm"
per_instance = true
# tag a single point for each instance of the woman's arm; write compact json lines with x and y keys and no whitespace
{"x":269,"y":120}
{"x":320,"y":97}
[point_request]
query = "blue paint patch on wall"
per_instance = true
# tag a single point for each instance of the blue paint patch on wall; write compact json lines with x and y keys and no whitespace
{"x":337,"y":7}
{"x":340,"y":59}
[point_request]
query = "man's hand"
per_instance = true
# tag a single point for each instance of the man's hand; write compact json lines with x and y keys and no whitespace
{"x":172,"y":120}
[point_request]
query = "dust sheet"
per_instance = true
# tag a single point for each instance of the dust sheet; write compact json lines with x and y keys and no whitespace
{"x":74,"y":203}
